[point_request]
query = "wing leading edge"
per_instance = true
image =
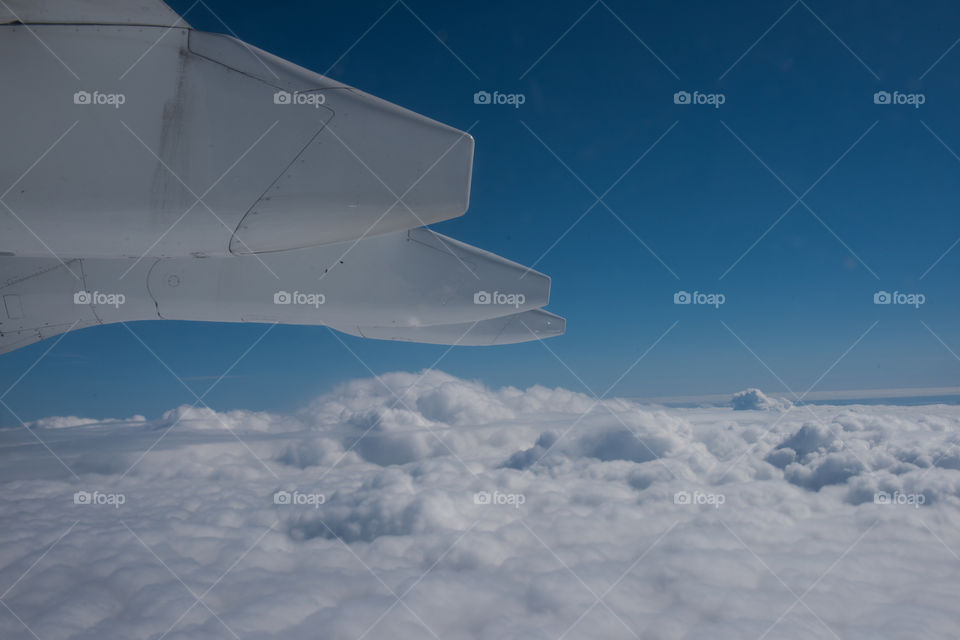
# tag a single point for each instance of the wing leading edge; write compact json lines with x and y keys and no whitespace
{"x":152,"y":13}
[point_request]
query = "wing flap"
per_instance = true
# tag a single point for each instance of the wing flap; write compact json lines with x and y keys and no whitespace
{"x":519,"y":327}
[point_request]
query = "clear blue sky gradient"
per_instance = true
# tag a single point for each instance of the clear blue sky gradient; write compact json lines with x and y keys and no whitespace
{"x":800,"y":98}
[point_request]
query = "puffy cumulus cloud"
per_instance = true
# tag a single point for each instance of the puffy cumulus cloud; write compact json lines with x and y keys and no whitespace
{"x":438,"y":397}
{"x":420,"y":504}
{"x":756,"y":400}
{"x":623,"y":434}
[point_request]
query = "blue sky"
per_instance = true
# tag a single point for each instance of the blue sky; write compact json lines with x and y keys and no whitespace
{"x":798,"y":108}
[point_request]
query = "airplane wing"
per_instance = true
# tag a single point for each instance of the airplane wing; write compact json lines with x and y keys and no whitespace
{"x":198,"y":178}
{"x":153,"y":13}
{"x":417,"y":286}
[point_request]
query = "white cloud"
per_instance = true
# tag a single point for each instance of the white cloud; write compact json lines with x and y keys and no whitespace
{"x":495,"y":513}
{"x":68,"y":422}
{"x":756,"y":400}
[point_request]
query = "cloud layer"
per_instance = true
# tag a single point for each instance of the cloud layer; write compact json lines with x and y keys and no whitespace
{"x":423,"y":505}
